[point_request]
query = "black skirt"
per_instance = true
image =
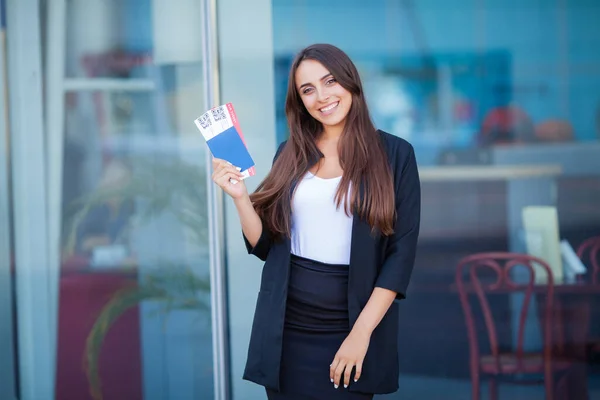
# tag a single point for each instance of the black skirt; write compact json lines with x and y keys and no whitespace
{"x":316,"y":324}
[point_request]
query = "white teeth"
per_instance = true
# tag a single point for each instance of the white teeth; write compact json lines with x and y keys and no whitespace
{"x":331,"y":107}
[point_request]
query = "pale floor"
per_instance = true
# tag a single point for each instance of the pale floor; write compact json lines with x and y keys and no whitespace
{"x":427,"y":388}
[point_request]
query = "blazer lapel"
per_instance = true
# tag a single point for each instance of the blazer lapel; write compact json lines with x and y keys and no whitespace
{"x":360,"y":233}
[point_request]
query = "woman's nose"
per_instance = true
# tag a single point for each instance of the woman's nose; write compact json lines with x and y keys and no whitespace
{"x":323,"y":96}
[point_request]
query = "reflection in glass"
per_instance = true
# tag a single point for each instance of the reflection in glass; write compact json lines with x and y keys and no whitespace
{"x":134,"y":289}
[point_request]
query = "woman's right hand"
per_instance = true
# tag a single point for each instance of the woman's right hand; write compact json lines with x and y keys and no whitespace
{"x":223,"y":171}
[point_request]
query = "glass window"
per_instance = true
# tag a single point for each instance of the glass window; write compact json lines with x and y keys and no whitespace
{"x":500,"y":100}
{"x":134,"y":287}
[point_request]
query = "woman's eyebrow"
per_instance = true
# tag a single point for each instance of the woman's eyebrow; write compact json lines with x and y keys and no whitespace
{"x":308,"y":83}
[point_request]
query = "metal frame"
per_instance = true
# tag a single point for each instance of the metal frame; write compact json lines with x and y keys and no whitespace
{"x":7,"y":366}
{"x":33,"y":293}
{"x":218,"y":281}
{"x":54,"y":125}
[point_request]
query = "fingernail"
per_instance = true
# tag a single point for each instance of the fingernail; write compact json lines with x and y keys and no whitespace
{"x":331,"y":380}
{"x":355,"y":380}
{"x":345,"y":386}
{"x":335,"y":386}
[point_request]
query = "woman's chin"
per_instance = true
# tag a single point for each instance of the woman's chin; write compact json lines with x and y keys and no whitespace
{"x":331,"y":122}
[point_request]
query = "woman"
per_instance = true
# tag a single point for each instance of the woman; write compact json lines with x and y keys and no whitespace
{"x":337,"y":221}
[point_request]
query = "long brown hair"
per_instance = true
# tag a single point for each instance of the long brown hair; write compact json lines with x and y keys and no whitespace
{"x":362,"y":156}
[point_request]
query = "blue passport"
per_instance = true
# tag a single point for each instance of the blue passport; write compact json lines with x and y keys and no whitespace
{"x":221,"y":130}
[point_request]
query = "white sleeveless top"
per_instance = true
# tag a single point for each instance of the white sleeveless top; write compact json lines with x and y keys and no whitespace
{"x":320,"y":231}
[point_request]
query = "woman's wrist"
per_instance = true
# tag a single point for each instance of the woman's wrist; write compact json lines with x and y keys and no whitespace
{"x":377,"y":306}
{"x":362,"y":329}
{"x":243,"y":201}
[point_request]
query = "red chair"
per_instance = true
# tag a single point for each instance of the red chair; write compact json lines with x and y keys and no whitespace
{"x":591,"y":247}
{"x":495,"y":268}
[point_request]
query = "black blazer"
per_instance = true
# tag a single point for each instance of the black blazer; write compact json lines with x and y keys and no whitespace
{"x":375,"y":261}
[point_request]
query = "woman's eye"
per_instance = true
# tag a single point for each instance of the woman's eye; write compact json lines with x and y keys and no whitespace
{"x":306,"y":91}
{"x":331,"y":81}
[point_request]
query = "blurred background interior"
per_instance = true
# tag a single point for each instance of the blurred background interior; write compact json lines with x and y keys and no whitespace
{"x":124,"y":275}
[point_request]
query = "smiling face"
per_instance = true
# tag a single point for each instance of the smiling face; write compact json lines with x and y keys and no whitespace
{"x":324,"y":98}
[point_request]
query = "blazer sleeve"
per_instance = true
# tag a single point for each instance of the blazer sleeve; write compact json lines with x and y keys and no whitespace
{"x":401,"y":248}
{"x":263,"y":245}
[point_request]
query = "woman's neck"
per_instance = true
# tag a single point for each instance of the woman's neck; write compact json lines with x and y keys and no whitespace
{"x":332,"y":133}
{"x":328,"y":144}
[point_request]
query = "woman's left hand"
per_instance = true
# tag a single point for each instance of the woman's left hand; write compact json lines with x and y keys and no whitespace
{"x":351,"y":354}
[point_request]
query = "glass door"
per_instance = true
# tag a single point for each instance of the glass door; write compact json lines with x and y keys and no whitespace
{"x":116,"y":250}
{"x":127,"y":186}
